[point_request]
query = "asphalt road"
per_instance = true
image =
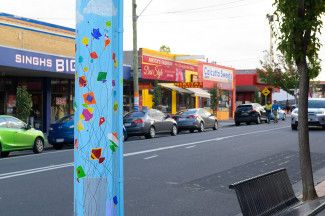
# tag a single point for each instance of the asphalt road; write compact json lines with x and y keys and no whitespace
{"x":184,"y":175}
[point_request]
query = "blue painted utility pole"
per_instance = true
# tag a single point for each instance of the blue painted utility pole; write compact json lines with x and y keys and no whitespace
{"x":98,"y":145}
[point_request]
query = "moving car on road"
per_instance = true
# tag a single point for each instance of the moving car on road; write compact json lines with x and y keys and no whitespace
{"x":148,"y":123}
{"x":316,"y":113}
{"x":16,"y":135}
{"x":249,"y":113}
{"x":196,"y":119}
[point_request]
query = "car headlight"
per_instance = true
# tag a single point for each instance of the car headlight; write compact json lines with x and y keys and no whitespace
{"x":72,"y":126}
{"x":320,"y":112}
{"x":51,"y":128}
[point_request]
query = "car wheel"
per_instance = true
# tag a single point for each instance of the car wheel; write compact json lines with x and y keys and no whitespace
{"x":237,"y":123}
{"x":201,"y":129}
{"x":192,"y":131}
{"x":248,"y":123}
{"x":294,"y":127}
{"x":152,"y":133}
{"x":58,"y":146}
{"x":258,"y":120}
{"x":174,"y":130}
{"x":38,"y":145}
{"x":215,"y":126}
{"x":3,"y":154}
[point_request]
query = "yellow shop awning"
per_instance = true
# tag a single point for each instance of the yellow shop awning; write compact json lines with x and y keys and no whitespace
{"x":171,"y":86}
{"x":199,"y":92}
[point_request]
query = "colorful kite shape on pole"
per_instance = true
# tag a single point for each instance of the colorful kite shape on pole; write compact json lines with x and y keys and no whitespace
{"x":113,"y":139}
{"x":102,"y":76}
{"x":93,"y":55}
{"x":82,"y":81}
{"x":101,"y":121}
{"x":96,"y":34}
{"x":89,"y":98}
{"x":80,"y":173}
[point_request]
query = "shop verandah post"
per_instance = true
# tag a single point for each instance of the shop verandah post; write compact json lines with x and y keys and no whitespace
{"x":98,"y":154}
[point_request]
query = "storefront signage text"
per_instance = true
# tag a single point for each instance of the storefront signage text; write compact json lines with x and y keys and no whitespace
{"x":214,"y":75}
{"x":36,"y":61}
{"x":162,"y":69}
{"x":189,"y":84}
{"x":217,"y":74}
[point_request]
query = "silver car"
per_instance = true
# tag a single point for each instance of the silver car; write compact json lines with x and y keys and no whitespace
{"x":316,"y":113}
{"x":148,"y":123}
{"x":196,"y":119}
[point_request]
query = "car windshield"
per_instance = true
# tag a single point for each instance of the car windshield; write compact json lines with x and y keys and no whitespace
{"x":244,"y":108}
{"x":135,"y":115}
{"x":316,"y":104}
{"x":189,"y":112}
{"x":65,"y":119}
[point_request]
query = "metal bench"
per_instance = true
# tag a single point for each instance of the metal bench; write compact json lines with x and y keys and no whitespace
{"x":272,"y":194}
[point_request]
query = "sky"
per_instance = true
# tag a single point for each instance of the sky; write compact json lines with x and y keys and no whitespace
{"x":230,"y":32}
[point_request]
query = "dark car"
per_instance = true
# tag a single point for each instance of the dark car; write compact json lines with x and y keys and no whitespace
{"x":148,"y":123}
{"x":196,"y":119}
{"x":248,"y":113}
{"x":62,"y":132}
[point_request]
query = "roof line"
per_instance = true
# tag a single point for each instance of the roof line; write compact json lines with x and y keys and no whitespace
{"x":36,"y":22}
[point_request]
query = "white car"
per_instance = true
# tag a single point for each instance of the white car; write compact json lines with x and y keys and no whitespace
{"x":316,"y":113}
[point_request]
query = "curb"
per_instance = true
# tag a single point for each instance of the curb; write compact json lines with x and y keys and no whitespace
{"x":317,"y":210}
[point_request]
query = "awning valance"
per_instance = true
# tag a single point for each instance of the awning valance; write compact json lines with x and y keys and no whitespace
{"x":199,"y":92}
{"x":171,"y":86}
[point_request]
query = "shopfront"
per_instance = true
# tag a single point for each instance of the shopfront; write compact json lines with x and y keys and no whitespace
{"x":48,"y":78}
{"x":163,"y":67}
{"x":222,"y":78}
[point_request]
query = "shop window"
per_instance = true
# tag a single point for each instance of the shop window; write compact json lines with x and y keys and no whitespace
{"x":62,"y":98}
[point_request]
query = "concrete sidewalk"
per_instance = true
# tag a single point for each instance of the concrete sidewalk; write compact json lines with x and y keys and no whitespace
{"x":227,"y":123}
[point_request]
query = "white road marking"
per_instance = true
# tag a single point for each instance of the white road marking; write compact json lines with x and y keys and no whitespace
{"x":60,"y":166}
{"x":32,"y":155}
{"x":32,"y":171}
{"x":199,"y":142}
{"x":147,"y":158}
{"x":189,"y":147}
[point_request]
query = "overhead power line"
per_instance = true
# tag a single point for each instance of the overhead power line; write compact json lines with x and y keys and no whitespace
{"x":145,"y":8}
{"x":215,"y":7}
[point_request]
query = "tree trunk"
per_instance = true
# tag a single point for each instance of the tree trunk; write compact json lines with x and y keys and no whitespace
{"x":306,"y":170}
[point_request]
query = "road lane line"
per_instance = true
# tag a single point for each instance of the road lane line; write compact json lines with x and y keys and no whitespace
{"x":32,"y":155}
{"x":189,"y":147}
{"x":199,"y":142}
{"x":32,"y":171}
{"x":65,"y":165}
{"x":147,"y":158}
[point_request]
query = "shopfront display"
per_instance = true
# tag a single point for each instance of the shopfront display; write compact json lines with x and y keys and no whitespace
{"x":223,"y":79}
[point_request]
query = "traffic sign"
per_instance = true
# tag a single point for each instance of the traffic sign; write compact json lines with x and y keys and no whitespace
{"x":266,"y":92}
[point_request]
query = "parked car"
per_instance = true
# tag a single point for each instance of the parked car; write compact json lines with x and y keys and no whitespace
{"x":281,"y":115}
{"x":148,"y":123}
{"x":249,"y":113}
{"x":316,"y":113}
{"x":196,"y":119}
{"x":16,"y":135}
{"x":62,"y":132}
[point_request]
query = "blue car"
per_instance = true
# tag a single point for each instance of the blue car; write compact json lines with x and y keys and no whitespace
{"x":62,"y":132}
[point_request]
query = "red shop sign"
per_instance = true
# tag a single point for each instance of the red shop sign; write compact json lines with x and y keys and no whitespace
{"x":162,"y":69}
